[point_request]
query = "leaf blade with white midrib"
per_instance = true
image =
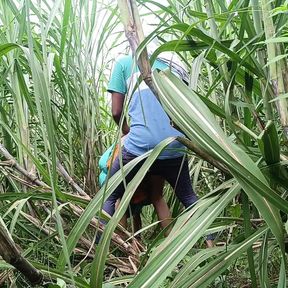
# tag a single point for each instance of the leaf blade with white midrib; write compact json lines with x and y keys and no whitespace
{"x":191,"y":115}
{"x":156,"y":270}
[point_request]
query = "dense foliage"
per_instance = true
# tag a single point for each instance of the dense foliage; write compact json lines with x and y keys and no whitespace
{"x":55,"y":123}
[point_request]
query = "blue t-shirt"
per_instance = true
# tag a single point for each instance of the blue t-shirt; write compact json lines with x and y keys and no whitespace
{"x":149,"y":124}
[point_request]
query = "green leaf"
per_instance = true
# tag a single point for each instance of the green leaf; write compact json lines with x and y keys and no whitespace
{"x":185,"y":272}
{"x":93,"y":207}
{"x":269,"y":144}
{"x":194,"y":118}
{"x":203,"y":277}
{"x":206,"y":42}
{"x":56,"y":274}
{"x":5,"y":48}
{"x":98,"y":264}
{"x":179,"y":242}
{"x":65,"y":23}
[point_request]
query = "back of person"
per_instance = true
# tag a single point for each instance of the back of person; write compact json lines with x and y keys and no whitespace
{"x":149,"y":124}
{"x":141,"y":195}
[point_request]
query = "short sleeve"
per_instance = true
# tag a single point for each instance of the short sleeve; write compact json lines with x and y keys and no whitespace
{"x":117,"y":81}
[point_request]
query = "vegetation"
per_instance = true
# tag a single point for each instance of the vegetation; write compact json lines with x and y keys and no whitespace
{"x":55,"y":123}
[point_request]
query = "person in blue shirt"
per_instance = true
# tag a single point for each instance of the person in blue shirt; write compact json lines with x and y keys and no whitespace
{"x":148,"y":126}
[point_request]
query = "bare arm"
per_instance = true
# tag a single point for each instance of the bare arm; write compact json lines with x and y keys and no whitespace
{"x":117,"y":110}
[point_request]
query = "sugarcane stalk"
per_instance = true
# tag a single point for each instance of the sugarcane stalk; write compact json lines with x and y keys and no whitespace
{"x":134,"y":33}
{"x":21,"y":169}
{"x":257,"y":21}
{"x":214,"y":33}
{"x":256,"y":13}
{"x":19,"y":102}
{"x":10,"y":253}
{"x":275,"y":68}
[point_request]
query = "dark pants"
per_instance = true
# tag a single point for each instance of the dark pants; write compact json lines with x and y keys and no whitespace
{"x":175,"y":171}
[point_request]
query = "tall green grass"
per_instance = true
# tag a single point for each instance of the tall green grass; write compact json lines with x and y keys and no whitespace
{"x":56,"y":58}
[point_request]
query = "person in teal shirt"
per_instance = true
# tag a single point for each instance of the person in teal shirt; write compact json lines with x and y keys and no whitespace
{"x":149,"y":125}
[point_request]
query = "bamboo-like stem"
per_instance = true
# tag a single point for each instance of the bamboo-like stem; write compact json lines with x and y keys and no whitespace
{"x":71,"y":181}
{"x":247,"y":130}
{"x":256,"y":13}
{"x":11,"y":255}
{"x":202,"y":154}
{"x":256,"y":116}
{"x":122,"y":245}
{"x":215,"y":35}
{"x":77,"y":210}
{"x":115,"y":237}
{"x":275,"y":68}
{"x":19,"y":168}
{"x":84,"y":242}
{"x":134,"y":33}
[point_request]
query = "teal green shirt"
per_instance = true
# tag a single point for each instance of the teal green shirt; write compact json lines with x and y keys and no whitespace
{"x":149,"y":124}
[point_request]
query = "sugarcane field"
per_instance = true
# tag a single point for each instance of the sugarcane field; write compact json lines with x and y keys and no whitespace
{"x":144,"y":144}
